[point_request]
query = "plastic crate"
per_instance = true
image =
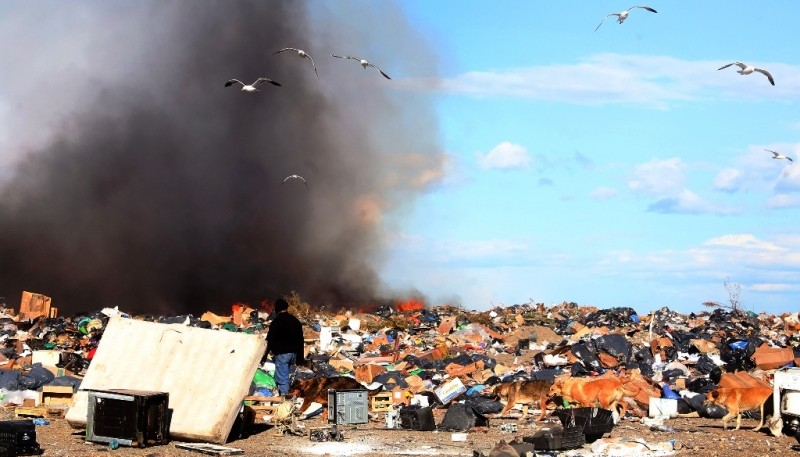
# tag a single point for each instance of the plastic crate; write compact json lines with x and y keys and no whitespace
{"x":129,"y":417}
{"x":416,"y":417}
{"x":18,"y":438}
{"x":598,"y":421}
{"x":557,"y":438}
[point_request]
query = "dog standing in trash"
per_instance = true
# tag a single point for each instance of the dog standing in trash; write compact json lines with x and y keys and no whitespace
{"x":739,"y":399}
{"x":524,"y":393}
{"x":604,"y":391}
{"x":316,"y":390}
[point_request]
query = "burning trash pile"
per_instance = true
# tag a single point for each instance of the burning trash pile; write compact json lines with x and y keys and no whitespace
{"x":411,"y":367}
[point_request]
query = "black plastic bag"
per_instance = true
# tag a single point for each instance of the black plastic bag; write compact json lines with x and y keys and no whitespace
{"x":712,"y":411}
{"x":460,"y":417}
{"x":70,"y":381}
{"x":9,"y":379}
{"x":392,"y":379}
{"x":701,"y":385}
{"x":587,"y":352}
{"x":615,"y":345}
{"x":36,"y":377}
{"x":547,"y":374}
{"x":684,"y":407}
{"x":682,"y":341}
{"x":578,"y":370}
{"x":484,"y":405}
{"x":705,"y":365}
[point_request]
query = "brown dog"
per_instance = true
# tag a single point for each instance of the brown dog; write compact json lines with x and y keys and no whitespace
{"x":524,"y":393}
{"x":316,"y":390}
{"x":606,"y":392}
{"x":739,"y":399}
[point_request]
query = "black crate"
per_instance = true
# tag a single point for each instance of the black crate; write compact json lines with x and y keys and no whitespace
{"x":556,"y":439}
{"x":568,"y":436}
{"x":416,"y":417}
{"x":18,"y":438}
{"x":129,"y":417}
{"x":599,"y":421}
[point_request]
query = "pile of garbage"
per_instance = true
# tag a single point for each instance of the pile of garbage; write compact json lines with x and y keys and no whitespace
{"x":448,"y":358}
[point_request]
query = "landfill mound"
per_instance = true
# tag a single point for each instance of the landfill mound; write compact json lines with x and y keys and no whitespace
{"x":449,"y":360}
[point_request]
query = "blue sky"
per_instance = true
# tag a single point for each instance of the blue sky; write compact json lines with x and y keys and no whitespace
{"x":614,"y":167}
{"x":608,"y":168}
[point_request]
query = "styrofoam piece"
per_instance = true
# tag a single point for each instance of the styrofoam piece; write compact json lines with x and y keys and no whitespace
{"x":206,"y":372}
{"x":663,"y":407}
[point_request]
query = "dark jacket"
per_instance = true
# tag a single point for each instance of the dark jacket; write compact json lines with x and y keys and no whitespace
{"x":285,"y":336}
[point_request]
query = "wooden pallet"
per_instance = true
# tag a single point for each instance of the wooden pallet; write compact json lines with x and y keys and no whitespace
{"x":40,"y":411}
{"x":382,"y":402}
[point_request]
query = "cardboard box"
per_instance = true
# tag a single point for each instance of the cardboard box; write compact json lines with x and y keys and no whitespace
{"x":33,"y":305}
{"x":450,"y":390}
{"x":366,"y":373}
{"x":741,"y":379}
{"x":768,"y":358}
{"x":56,"y":396}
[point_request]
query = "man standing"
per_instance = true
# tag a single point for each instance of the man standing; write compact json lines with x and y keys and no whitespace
{"x":285,"y":342}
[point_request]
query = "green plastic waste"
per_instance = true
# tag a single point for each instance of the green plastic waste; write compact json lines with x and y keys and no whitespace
{"x":263,"y":379}
{"x":230,"y":327}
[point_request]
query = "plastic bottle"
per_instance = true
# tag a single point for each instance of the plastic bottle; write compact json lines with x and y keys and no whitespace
{"x":40,"y":421}
{"x":113,"y":444}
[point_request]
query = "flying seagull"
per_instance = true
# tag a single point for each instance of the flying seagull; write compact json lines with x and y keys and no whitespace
{"x":252,"y":87}
{"x":363,"y":63}
{"x":778,"y":155}
{"x":302,"y":55}
{"x":295,"y":177}
{"x":747,"y":69}
{"x":624,"y":14}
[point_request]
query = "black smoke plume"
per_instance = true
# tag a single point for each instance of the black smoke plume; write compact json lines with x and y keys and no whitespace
{"x":160,"y":190}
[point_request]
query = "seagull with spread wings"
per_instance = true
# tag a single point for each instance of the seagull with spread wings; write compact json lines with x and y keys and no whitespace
{"x":747,"y":70}
{"x":302,"y":54}
{"x":292,"y":177}
{"x":621,"y":16}
{"x":778,"y":155}
{"x":364,"y":63}
{"x":251,"y":87}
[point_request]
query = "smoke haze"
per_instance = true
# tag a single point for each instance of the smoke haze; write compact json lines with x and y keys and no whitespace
{"x":132,"y":177}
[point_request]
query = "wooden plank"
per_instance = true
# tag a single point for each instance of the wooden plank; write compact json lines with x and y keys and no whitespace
{"x":210,"y":449}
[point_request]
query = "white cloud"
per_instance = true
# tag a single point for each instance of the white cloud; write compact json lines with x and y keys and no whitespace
{"x":687,"y":202}
{"x":659,"y":177}
{"x":638,"y":79}
{"x":603,"y":193}
{"x":771,"y":287}
{"x":783,"y":201}
{"x":728,"y":180}
{"x":789,"y":180}
{"x":505,"y":156}
{"x":742,"y":241}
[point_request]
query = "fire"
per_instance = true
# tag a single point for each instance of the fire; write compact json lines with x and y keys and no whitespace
{"x":412,"y":304}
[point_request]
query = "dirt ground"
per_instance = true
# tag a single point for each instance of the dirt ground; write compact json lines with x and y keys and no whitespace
{"x":694,"y":436}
